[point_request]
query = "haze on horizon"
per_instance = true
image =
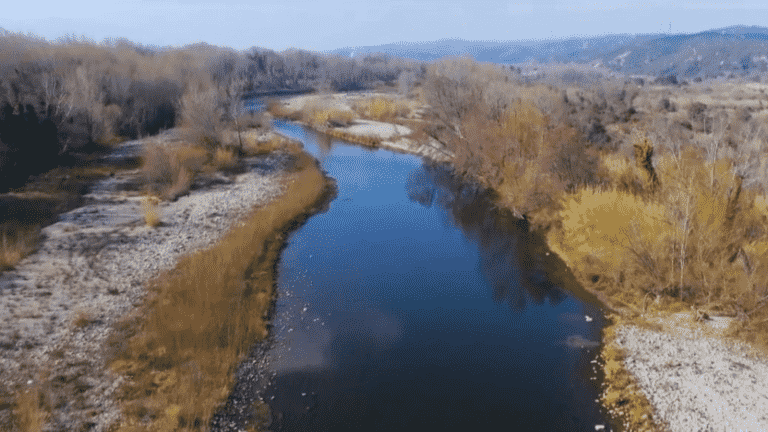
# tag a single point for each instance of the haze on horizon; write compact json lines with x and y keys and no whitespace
{"x":328,"y":25}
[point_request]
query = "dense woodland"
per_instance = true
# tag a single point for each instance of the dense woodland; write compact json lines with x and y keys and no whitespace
{"x":63,"y":98}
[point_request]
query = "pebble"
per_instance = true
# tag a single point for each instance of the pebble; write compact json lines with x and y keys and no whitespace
{"x":697,"y":382}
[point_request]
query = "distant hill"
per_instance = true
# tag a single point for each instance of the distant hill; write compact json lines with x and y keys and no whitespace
{"x":738,"y":50}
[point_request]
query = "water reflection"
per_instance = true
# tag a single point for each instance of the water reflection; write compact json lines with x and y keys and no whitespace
{"x":510,"y":253}
{"x":413,"y":303}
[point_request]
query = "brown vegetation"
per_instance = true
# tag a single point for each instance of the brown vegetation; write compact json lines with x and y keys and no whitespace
{"x":61,"y":99}
{"x":181,"y":350}
{"x":385,"y":109}
{"x":319,"y":113}
{"x":169,"y":169}
{"x":653,"y":210}
{"x":28,"y":414}
{"x":16,"y":244}
{"x":151,"y":212}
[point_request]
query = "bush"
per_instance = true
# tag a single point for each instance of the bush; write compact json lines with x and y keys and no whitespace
{"x":14,"y":246}
{"x":611,"y":230}
{"x":382,"y":108}
{"x":224,"y":159}
{"x":322,"y":113}
{"x":170,"y":171}
{"x":151,"y":212}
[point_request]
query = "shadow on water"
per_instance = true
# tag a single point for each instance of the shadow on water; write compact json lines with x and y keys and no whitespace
{"x":413,"y":302}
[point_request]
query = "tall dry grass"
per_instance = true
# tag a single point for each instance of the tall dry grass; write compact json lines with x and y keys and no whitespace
{"x":16,"y":245}
{"x":149,"y":206}
{"x":321,"y":113}
{"x":169,"y":170}
{"x":205,"y":315}
{"x":28,"y":414}
{"x":385,"y":109}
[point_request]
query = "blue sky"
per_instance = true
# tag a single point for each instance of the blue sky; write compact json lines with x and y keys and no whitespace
{"x":324,"y":25}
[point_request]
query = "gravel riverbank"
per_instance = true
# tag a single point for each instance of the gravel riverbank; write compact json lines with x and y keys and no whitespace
{"x":59,"y":304}
{"x":694,"y":378}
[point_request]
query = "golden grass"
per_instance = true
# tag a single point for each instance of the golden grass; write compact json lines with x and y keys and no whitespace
{"x":205,"y":315}
{"x":28,"y":415}
{"x":382,"y":108}
{"x":15,"y":246}
{"x":224,"y":159}
{"x":171,"y":170}
{"x":151,"y":212}
{"x":365,"y":140}
{"x":320,"y":113}
{"x":278,"y":109}
{"x":274,"y":143}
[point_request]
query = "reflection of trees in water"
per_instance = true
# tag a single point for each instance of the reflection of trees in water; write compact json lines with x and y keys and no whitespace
{"x":511,"y":256}
{"x":324,"y":144}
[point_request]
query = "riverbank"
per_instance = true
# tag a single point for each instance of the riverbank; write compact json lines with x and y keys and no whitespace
{"x":638,"y":392}
{"x":63,"y":304}
{"x":367,"y":132}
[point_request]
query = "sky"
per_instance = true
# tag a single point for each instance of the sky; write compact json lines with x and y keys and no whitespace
{"x":326,"y":25}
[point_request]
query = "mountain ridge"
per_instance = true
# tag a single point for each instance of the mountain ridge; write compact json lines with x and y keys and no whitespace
{"x":728,"y":51}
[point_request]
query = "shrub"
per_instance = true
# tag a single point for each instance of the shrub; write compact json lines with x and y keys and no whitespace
{"x":224,"y":159}
{"x":15,"y":246}
{"x":619,"y":235}
{"x":273,"y":143}
{"x":382,"y":108}
{"x":151,"y":212}
{"x":322,"y":113}
{"x":171,"y":170}
{"x":623,"y":174}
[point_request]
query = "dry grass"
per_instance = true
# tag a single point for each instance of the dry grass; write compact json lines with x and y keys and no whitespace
{"x":204,"y":316}
{"x":319,"y":113}
{"x":171,"y":170}
{"x":224,"y":159}
{"x":149,"y":206}
{"x":623,"y":397}
{"x":383,"y":109}
{"x":280,"y":110}
{"x":28,"y":414}
{"x":16,"y":245}
{"x":83,"y":318}
{"x":274,"y":143}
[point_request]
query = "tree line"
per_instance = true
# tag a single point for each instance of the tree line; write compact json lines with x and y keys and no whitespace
{"x":62,"y":98}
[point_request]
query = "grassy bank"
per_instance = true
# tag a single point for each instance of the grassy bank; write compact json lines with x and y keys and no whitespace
{"x":180,"y":350}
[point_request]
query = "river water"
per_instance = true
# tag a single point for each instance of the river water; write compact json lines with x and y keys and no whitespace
{"x":412,"y":303}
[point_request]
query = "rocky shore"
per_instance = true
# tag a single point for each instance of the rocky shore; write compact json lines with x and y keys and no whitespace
{"x":58,"y":305}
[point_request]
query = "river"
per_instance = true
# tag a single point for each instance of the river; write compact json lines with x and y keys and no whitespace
{"x":412,"y":303}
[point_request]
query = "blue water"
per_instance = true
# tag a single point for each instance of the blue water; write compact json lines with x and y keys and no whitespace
{"x":412,"y":303}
